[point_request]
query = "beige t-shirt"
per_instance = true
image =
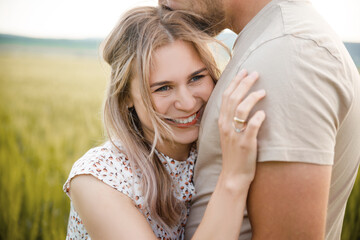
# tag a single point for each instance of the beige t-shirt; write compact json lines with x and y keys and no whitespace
{"x":312,"y":104}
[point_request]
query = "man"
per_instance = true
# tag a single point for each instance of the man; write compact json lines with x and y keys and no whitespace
{"x":308,"y":146}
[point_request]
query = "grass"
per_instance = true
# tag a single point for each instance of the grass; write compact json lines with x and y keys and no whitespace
{"x":50,"y":116}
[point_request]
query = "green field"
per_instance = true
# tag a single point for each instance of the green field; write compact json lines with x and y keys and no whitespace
{"x":50,"y":111}
{"x":50,"y":115}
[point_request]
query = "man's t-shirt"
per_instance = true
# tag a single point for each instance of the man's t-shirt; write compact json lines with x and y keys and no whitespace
{"x":312,"y":104}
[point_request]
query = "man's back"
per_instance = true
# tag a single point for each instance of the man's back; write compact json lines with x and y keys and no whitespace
{"x":312,"y":105}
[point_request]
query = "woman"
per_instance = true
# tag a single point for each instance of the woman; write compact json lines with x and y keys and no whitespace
{"x":139,"y":183}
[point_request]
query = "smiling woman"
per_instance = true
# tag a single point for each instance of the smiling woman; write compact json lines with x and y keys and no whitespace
{"x":180,"y":86}
{"x":162,"y":75}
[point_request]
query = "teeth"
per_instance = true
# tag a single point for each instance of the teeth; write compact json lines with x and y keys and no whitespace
{"x":187,"y":120}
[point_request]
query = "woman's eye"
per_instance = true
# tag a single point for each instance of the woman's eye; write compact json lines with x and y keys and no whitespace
{"x":163,"y":89}
{"x":197,"y":78}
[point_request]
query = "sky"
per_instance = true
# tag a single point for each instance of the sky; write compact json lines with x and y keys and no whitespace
{"x":77,"y":19}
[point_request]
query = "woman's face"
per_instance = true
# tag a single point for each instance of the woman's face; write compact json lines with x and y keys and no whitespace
{"x":180,"y":86}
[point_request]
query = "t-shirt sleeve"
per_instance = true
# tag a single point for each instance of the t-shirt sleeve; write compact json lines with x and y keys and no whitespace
{"x":110,"y":168}
{"x":305,"y":101}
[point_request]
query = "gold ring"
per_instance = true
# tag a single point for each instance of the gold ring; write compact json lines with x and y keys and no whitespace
{"x":238,"y":120}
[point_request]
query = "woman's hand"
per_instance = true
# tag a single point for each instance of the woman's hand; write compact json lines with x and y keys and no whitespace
{"x":238,"y":130}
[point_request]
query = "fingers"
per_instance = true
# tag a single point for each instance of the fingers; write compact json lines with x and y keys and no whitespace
{"x":243,"y":109}
{"x":235,"y":82}
{"x":254,"y":125}
{"x":243,"y":88}
{"x":237,"y":91}
{"x":236,"y":106}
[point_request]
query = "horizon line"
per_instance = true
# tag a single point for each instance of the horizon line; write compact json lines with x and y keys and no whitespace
{"x":100,"y":38}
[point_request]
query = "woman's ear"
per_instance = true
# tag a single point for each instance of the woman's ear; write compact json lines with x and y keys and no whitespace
{"x":129,"y":102}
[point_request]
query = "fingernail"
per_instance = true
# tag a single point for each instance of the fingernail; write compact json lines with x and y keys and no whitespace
{"x":242,"y":72}
{"x":254,"y":74}
{"x":262,"y":92}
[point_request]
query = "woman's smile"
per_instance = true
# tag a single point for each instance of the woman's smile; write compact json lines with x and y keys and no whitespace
{"x":184,"y":122}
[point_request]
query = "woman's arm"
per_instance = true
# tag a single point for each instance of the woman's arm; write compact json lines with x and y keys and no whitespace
{"x":107,"y":213}
{"x":224,"y":213}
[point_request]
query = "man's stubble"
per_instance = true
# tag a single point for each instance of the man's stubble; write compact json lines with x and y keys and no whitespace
{"x":214,"y":15}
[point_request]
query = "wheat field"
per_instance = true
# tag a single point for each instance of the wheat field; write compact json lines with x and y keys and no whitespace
{"x":50,"y":115}
{"x":50,"y":112}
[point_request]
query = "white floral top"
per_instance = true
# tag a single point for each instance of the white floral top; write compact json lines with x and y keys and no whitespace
{"x":112,"y":167}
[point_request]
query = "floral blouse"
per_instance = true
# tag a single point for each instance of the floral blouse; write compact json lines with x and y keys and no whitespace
{"x":112,"y":167}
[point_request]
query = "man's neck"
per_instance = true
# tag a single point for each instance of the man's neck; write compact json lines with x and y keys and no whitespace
{"x":240,"y":12}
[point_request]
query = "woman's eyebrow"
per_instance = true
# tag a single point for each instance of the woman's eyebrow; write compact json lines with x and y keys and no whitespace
{"x":160,"y":83}
{"x":169,"y":82}
{"x":197,"y":72}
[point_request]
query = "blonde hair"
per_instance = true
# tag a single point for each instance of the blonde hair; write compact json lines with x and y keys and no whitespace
{"x":129,"y":50}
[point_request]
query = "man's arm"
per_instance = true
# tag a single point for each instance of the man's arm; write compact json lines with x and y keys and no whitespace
{"x":289,"y":201}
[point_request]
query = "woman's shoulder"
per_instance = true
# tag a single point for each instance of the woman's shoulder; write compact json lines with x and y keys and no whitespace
{"x":108,"y":163}
{"x":104,"y":159}
{"x":111,"y":154}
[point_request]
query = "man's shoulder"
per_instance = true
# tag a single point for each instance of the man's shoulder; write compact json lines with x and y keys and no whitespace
{"x":304,"y":22}
{"x":292,"y":25}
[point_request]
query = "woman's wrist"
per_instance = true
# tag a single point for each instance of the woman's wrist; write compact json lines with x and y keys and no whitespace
{"x":235,"y":184}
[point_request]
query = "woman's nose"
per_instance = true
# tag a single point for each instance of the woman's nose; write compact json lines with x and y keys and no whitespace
{"x":185,"y":100}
